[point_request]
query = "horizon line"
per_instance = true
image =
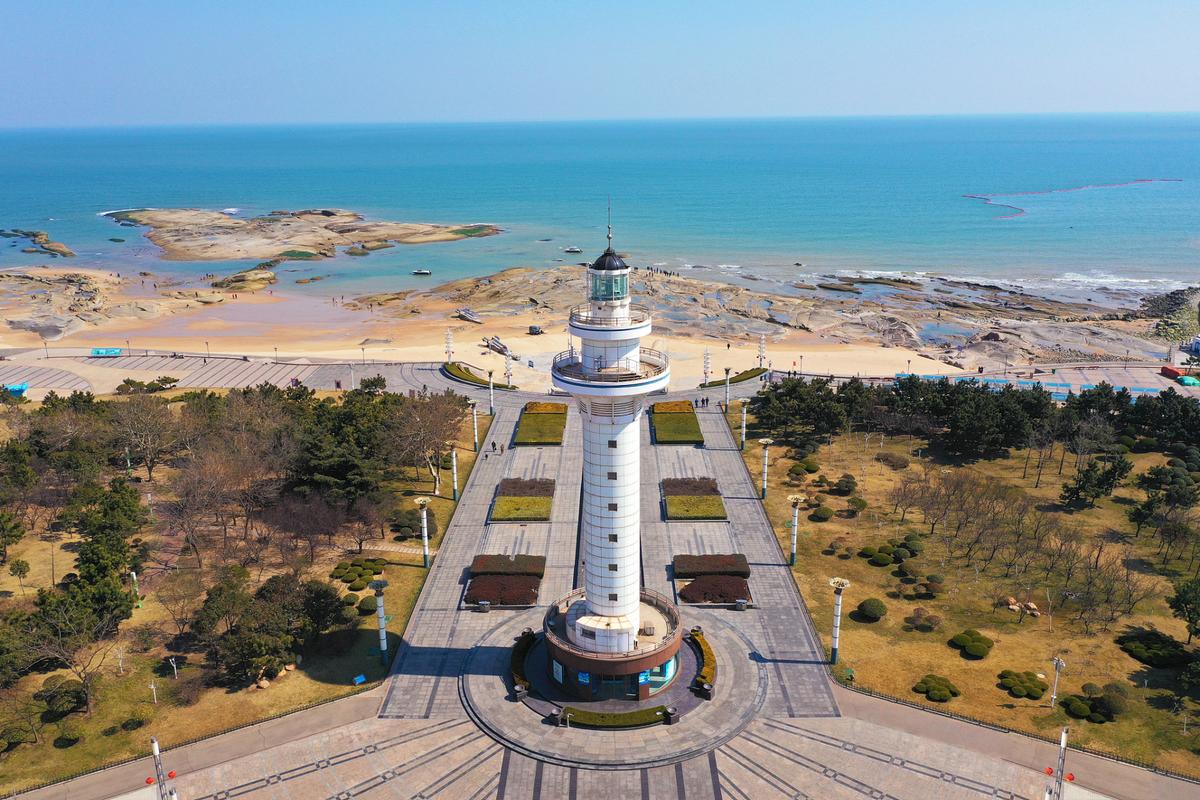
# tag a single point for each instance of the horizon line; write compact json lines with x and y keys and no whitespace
{"x":593,"y":120}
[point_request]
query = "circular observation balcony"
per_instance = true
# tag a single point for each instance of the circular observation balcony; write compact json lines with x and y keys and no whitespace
{"x":585,"y":323}
{"x":657,"y":641}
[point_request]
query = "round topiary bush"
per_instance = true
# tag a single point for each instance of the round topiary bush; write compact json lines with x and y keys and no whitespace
{"x":368,"y":605}
{"x":358,"y":585}
{"x":971,"y":644}
{"x":872,"y":609}
{"x":349,"y":600}
{"x":880,"y":560}
{"x":1077,"y":708}
{"x":887,"y":548}
{"x":868,"y":551}
{"x":975,"y":650}
{"x":821,"y":514}
{"x":936,"y":688}
{"x":857,"y":504}
{"x":1023,"y":684}
{"x":900,"y":553}
{"x":810,"y":465}
{"x":343,"y":565}
{"x":349,"y":577}
{"x":1097,"y":717}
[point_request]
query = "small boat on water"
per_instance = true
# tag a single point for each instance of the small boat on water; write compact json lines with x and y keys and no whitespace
{"x":469,"y":315}
{"x":422,"y":272}
{"x":572,"y":250}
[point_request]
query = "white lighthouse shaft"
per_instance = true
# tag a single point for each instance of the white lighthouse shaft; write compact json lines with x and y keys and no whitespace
{"x":610,"y":375}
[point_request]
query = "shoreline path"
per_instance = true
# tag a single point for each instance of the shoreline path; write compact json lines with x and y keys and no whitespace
{"x":413,"y":737}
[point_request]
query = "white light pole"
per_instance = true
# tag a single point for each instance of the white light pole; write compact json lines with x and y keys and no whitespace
{"x":423,"y":503}
{"x":766,"y":445}
{"x":508,"y":368}
{"x":491,"y":395}
{"x":762,"y":350}
{"x":839,"y":585}
{"x":795,"y":500}
{"x":449,"y":345}
{"x":474,"y":425}
{"x":454,"y":469}
{"x":137,"y":594}
{"x":727,"y":370}
{"x":1059,"y":666}
{"x":707,"y":364}
{"x":378,"y":587}
{"x":154,"y":692}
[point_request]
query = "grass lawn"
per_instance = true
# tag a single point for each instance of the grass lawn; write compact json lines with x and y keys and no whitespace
{"x":676,"y":427}
{"x":521,"y":509}
{"x":695,"y":507}
{"x":326,"y":673}
{"x":540,"y":428}
{"x":463,"y":373}
{"x":889,"y":656}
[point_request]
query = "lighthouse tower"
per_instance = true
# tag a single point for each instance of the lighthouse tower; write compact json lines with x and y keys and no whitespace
{"x":609,"y":374}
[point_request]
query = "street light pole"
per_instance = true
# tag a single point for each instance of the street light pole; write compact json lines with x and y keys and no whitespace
{"x":795,"y":500}
{"x":491,"y":394}
{"x":449,"y":345}
{"x":707,"y":364}
{"x":745,"y":403}
{"x":839,"y":585}
{"x":381,"y":617}
{"x":1059,"y":666}
{"x":766,"y":445}
{"x":423,"y":503}
{"x":762,"y":350}
{"x":474,"y":425}
{"x":454,"y":469}
{"x":727,"y":370}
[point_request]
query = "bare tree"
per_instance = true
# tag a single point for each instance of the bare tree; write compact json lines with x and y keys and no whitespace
{"x":144,"y":424}
{"x":181,"y":592}
{"x":72,"y":633}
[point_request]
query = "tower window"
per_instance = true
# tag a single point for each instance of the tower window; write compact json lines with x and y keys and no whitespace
{"x":612,"y":597}
{"x":612,"y":443}
{"x":612,"y":506}
{"x":612,"y":476}
{"x":612,"y":537}
{"x":587,"y":633}
{"x":612,"y":567}
{"x":610,"y":287}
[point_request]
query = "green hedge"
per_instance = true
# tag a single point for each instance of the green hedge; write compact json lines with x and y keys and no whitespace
{"x":708,"y":662}
{"x":536,"y":428}
{"x":936,"y":688}
{"x":689,"y":566}
{"x":695,"y":507}
{"x":521,"y":509}
{"x":676,"y":427}
{"x":501,"y":564}
{"x":460,"y":371}
{"x":615,"y":719}
{"x":746,"y":375}
{"x":517,"y":661}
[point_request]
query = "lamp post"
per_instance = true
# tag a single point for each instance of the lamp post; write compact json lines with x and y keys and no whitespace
{"x":766,"y":445}
{"x":795,"y":500}
{"x":364,"y":354}
{"x":745,"y":403}
{"x":727,"y":370}
{"x":707,"y":364}
{"x":163,"y":791}
{"x":1059,"y":666}
{"x":839,"y":585}
{"x":491,"y":394}
{"x":474,"y":424}
{"x":454,"y":469}
{"x":762,"y":350}
{"x":137,"y":595}
{"x":423,"y":504}
{"x":207,"y":349}
{"x":276,"y":355}
{"x":801,"y":365}
{"x":380,"y":617}
{"x":449,"y":345}
{"x":508,"y":368}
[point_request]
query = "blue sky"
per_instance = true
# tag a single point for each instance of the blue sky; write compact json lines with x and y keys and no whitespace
{"x":135,"y":62}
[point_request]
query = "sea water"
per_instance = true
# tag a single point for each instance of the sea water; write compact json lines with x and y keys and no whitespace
{"x":1058,"y":204}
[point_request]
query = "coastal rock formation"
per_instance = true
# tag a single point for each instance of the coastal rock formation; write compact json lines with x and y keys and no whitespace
{"x":189,"y":234}
{"x":40,"y":241}
{"x":248,"y":280}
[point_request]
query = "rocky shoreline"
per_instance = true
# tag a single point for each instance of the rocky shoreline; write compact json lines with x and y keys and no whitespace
{"x":962,"y":324}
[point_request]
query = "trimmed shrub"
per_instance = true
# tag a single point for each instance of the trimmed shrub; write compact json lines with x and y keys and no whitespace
{"x":810,"y":465}
{"x":880,"y":560}
{"x":896,"y":461}
{"x":543,"y":407}
{"x":521,"y":509}
{"x":539,"y":427}
{"x":1155,"y":649}
{"x":358,"y":585}
{"x":708,"y":661}
{"x":349,"y":600}
{"x":508,"y":565}
{"x":525,"y":487}
{"x":1077,"y":708}
{"x":694,"y":507}
{"x":1023,"y":684}
{"x":406,"y":522}
{"x":504,"y":590}
{"x":821,"y":514}
{"x":350,"y":577}
{"x":690,"y":487}
{"x":845,"y":485}
{"x":872,"y":609}
{"x":672,"y":407}
{"x":368,"y":605}
{"x":675,"y":427}
{"x":856,"y":505}
{"x":922,"y":620}
{"x":971,"y":644}
{"x":936,"y":688}
{"x":615,"y":719}
{"x":516,"y":664}
{"x":868,"y":551}
{"x":689,"y":566}
{"x":715,"y":589}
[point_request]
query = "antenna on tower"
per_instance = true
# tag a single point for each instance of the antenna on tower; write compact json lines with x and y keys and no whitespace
{"x":610,"y":222}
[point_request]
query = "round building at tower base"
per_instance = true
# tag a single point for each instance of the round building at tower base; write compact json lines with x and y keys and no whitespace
{"x":638,"y":673}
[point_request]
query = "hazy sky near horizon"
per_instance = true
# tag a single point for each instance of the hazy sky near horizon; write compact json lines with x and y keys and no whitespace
{"x":139,"y":62}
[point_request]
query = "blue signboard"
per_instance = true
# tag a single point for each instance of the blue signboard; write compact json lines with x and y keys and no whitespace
{"x":644,"y":677}
{"x":360,"y":679}
{"x":584,"y":677}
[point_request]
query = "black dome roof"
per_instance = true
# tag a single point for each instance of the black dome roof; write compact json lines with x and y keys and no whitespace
{"x":609,"y":260}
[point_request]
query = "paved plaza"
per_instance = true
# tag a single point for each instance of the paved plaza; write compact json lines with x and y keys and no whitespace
{"x":778,"y":727}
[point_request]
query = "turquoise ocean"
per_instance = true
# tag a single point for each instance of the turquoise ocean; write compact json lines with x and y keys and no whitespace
{"x":1064,"y":205}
